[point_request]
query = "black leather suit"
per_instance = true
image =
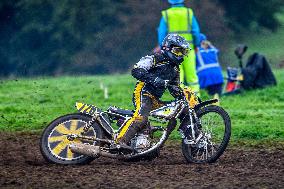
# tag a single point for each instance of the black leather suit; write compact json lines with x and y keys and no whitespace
{"x":151,"y":73}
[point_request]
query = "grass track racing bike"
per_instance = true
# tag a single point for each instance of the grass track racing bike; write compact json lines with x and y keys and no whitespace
{"x":82,"y":137}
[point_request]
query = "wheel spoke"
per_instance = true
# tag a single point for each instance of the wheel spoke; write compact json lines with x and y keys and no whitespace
{"x":74,"y":124}
{"x":56,"y":138}
{"x":79,"y":130}
{"x":198,"y":154}
{"x":58,"y":149}
{"x":69,"y":153}
{"x":213,"y":149}
{"x":203,"y":155}
{"x":62,"y":129}
{"x":206,"y":151}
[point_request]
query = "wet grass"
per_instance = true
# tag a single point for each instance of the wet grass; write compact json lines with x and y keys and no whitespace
{"x":30,"y":104}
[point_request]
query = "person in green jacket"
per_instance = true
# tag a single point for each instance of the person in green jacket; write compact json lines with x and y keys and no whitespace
{"x":181,"y":20}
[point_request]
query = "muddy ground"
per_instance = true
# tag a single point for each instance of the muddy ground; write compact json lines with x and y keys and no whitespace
{"x":22,"y":166}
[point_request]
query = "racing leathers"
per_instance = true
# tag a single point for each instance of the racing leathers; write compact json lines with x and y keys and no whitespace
{"x":155,"y":74}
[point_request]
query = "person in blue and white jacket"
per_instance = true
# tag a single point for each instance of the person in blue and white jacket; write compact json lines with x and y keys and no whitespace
{"x":208,"y":68}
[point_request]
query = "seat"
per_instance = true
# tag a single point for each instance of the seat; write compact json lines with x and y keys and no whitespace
{"x":120,"y":111}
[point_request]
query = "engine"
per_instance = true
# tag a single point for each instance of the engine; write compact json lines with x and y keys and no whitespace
{"x":140,"y":142}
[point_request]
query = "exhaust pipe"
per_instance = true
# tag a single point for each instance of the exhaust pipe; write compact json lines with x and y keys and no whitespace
{"x":89,"y":150}
{"x":85,"y":149}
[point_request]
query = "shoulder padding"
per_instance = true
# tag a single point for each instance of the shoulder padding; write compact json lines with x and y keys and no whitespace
{"x":146,"y":63}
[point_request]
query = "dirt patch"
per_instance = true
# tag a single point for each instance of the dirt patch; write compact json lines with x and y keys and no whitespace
{"x":22,"y":166}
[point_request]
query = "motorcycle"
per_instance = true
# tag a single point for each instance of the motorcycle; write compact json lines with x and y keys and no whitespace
{"x":82,"y":137}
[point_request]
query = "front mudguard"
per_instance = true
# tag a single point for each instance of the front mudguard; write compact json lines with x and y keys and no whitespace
{"x":204,"y":103}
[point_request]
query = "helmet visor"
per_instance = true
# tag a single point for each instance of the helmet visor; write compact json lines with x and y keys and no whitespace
{"x":179,"y":51}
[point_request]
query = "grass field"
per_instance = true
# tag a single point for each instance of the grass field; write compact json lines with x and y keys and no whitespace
{"x":30,"y":104}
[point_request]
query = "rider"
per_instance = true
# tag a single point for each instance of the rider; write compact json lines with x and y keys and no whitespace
{"x":155,"y":74}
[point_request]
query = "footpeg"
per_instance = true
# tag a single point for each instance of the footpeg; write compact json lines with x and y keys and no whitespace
{"x":121,"y":147}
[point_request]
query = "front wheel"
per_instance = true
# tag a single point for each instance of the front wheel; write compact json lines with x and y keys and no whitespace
{"x":54,"y":144}
{"x":215,"y":131}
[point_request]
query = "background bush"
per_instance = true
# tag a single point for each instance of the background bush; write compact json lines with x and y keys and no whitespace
{"x":46,"y":37}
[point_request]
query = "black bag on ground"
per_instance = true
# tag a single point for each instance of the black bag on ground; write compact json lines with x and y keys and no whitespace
{"x":257,"y":73}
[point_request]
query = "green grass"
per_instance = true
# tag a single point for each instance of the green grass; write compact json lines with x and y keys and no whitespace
{"x":30,"y":104}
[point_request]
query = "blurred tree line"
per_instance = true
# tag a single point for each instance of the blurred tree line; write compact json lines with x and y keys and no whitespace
{"x":46,"y":37}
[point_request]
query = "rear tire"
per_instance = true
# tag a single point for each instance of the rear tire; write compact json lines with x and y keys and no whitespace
{"x":54,"y":144}
{"x":190,"y":151}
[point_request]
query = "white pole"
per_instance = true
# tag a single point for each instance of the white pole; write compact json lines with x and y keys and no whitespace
{"x":106,"y":93}
{"x":101,"y":85}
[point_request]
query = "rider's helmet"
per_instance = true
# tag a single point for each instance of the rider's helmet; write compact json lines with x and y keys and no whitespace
{"x":173,"y":2}
{"x":175,"y":47}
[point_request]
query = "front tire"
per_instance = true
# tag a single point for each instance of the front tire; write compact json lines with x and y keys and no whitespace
{"x":54,"y":144}
{"x":216,"y":129}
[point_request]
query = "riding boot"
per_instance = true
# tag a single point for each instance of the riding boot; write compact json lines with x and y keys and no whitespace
{"x":130,"y":133}
{"x":121,"y":144}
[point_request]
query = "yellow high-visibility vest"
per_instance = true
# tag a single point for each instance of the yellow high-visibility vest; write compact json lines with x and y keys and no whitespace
{"x":179,"y":21}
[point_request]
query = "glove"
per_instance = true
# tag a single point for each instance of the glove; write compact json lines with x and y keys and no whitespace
{"x":182,"y":97}
{"x":160,"y":83}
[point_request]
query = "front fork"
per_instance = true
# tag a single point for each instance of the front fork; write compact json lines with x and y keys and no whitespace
{"x":193,"y":128}
{"x":196,"y":121}
{"x":196,"y":127}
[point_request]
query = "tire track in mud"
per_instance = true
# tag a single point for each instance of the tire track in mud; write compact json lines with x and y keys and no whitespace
{"x":22,"y":166}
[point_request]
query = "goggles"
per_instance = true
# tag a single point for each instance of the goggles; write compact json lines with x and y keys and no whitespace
{"x":179,"y":51}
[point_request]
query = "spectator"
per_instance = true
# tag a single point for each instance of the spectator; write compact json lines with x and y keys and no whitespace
{"x":208,"y":68}
{"x":181,"y":20}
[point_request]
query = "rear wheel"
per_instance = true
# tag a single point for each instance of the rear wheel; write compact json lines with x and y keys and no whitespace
{"x":54,"y":144}
{"x":215,"y":130}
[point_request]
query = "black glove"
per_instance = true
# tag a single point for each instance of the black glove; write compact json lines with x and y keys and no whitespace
{"x":160,"y":83}
{"x":181,"y":97}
